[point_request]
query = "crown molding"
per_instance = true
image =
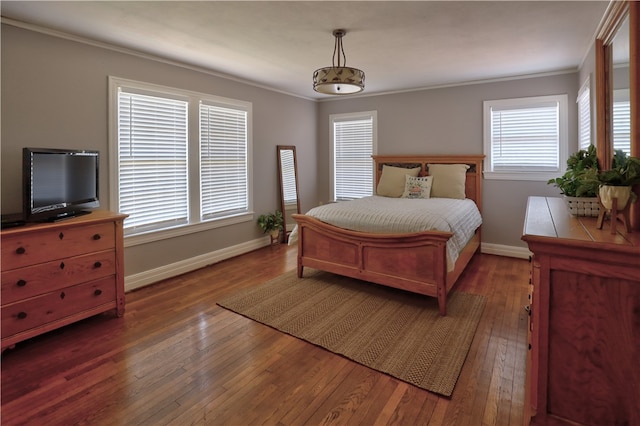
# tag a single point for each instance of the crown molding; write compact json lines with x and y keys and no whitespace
{"x":136,"y":53}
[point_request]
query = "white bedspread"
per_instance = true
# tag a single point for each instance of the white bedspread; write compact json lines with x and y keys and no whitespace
{"x":385,"y":215}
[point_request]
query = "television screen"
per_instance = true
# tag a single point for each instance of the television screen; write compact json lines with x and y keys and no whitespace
{"x":59,"y":183}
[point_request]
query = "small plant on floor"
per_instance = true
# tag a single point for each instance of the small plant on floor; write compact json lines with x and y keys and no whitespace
{"x":271,"y":223}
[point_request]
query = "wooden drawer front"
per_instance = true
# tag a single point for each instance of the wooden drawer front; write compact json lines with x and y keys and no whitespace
{"x":32,"y":248}
{"x":22,"y":283}
{"x":49,"y":307}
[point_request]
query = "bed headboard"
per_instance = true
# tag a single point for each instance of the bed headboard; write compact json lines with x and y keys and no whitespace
{"x":473,"y":184}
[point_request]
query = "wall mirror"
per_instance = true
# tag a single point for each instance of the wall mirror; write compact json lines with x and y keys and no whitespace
{"x":618,"y":86}
{"x":288,"y":177}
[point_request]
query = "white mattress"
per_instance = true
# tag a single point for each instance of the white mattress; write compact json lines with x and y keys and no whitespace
{"x":386,"y":215}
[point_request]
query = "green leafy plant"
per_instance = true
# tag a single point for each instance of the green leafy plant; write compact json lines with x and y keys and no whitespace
{"x":578,"y":180}
{"x":271,"y":221}
{"x":625,"y":171}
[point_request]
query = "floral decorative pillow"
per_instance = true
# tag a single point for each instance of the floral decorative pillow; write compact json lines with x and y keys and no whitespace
{"x":417,"y":187}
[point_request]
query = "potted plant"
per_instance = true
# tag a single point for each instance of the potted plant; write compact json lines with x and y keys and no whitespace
{"x":618,"y":181}
{"x":271,"y":223}
{"x":577,"y":185}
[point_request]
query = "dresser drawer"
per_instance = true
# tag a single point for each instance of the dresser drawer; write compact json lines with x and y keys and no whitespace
{"x":30,"y":281}
{"x":27,"y":249}
{"x":34,"y":312}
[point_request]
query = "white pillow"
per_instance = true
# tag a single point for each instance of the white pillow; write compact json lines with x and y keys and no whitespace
{"x":417,"y":187}
{"x":448,"y":180}
{"x":392,"y":180}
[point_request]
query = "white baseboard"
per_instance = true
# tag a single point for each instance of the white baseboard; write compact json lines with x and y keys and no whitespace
{"x":508,"y":251}
{"x":142,"y":279}
{"x":132,"y":282}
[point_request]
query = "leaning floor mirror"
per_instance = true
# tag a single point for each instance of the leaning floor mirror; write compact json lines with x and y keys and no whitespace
{"x":288,"y":177}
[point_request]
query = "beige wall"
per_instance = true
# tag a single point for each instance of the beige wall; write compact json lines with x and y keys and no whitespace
{"x":54,"y":94}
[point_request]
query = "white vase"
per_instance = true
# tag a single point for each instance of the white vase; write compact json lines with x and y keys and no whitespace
{"x":608,"y":193}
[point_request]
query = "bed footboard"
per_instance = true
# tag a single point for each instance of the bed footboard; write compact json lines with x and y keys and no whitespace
{"x":413,"y":262}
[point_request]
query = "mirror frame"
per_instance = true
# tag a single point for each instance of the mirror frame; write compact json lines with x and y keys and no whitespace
{"x":279,"y":149}
{"x":616,"y":13}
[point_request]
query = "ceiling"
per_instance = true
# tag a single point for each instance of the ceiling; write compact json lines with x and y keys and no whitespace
{"x":399,"y":45}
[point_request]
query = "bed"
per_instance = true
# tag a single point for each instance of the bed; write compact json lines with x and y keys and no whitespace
{"x":412,"y":261}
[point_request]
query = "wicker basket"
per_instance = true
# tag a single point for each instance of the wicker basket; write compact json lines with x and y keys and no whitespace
{"x":583,"y":206}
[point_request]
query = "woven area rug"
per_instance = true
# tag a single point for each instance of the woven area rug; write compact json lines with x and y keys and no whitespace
{"x":389,"y":330}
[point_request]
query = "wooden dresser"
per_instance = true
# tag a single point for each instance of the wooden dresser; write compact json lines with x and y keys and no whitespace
{"x":56,"y":273}
{"x":583,"y":366}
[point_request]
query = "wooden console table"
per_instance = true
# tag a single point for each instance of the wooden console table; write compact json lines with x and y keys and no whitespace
{"x":584,"y":325}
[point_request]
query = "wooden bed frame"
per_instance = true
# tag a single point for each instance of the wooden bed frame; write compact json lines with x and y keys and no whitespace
{"x":415,"y":262}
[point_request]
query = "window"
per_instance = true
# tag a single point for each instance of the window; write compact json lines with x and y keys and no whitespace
{"x":223,"y":161}
{"x":526,"y":138}
{"x":152,"y":153}
{"x":584,"y":116}
{"x":171,"y":177}
{"x":622,"y":120}
{"x":353,"y":142}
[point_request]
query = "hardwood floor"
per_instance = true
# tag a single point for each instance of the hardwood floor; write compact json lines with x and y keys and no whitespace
{"x":177,"y":358}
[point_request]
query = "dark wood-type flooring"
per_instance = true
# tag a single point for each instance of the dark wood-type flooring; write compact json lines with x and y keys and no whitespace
{"x":177,"y":358}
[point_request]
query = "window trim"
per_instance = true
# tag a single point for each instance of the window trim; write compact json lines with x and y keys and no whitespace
{"x":333,"y":118}
{"x":563,"y":137}
{"x":194,"y":98}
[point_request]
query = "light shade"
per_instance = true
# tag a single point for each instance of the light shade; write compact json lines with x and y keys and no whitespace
{"x":338,"y":79}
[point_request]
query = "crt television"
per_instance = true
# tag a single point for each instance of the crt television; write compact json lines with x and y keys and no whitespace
{"x":59,"y":183}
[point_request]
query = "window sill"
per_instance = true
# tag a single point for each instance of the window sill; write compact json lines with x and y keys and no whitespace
{"x":530,"y":176}
{"x":180,"y":230}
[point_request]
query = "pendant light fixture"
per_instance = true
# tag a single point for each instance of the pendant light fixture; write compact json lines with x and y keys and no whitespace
{"x":338,"y":79}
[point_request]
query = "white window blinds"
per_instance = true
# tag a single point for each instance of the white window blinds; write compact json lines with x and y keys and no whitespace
{"x":584,"y":116}
{"x":180,"y":161}
{"x":288,"y":177}
{"x":622,"y":121}
{"x":353,"y":145}
{"x":223,"y":161}
{"x":152,"y":156}
{"x":525,"y":138}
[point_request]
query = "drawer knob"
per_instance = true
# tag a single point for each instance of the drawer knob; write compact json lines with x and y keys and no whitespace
{"x":98,"y":292}
{"x":22,"y":315}
{"x":61,"y":235}
{"x":97,"y":237}
{"x":21,"y":250}
{"x":97,"y":264}
{"x":62,"y":265}
{"x":21,"y":283}
{"x":62,"y":295}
